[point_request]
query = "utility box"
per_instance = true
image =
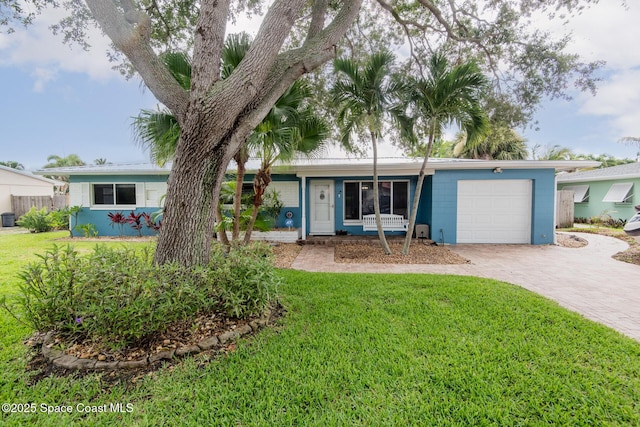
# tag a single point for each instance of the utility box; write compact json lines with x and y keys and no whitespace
{"x":8,"y":219}
{"x":422,"y":231}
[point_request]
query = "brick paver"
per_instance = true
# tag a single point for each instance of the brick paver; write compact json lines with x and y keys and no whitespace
{"x":586,"y":280}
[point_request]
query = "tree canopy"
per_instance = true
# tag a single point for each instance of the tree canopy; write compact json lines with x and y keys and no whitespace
{"x":296,"y":37}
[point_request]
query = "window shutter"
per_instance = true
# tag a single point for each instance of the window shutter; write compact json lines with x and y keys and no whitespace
{"x":287,"y":192}
{"x":140,"y":195}
{"x":154,"y":192}
{"x":79,"y":194}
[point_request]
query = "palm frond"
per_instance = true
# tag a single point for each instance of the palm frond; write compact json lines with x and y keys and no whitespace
{"x":179,"y":65}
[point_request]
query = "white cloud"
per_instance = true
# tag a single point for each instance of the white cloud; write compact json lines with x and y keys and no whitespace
{"x":36,"y":49}
{"x":42,"y":76}
{"x":618,"y":99}
{"x":610,"y":32}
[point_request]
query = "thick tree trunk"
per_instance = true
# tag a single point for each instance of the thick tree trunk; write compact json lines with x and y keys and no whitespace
{"x":416,"y":198}
{"x":190,"y":205}
{"x":376,"y":197}
{"x":216,"y":116}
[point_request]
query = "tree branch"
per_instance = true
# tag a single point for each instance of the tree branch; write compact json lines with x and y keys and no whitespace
{"x":208,"y":44}
{"x":318,"y":15}
{"x":130,"y":32}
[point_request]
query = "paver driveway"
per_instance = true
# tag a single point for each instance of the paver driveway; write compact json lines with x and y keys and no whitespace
{"x":586,"y":280}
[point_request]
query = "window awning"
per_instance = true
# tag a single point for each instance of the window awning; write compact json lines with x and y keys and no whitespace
{"x":580,"y":192}
{"x":619,"y":193}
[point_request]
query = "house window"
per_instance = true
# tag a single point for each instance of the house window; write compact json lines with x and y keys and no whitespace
{"x":580,"y":193}
{"x":619,"y":193}
{"x":114,"y":194}
{"x":358,"y":198}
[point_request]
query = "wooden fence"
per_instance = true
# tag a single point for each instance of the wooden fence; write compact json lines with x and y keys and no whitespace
{"x":564,"y":209}
{"x":20,"y":205}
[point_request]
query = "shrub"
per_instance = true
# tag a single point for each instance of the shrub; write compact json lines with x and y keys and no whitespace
{"x":135,"y":220}
{"x":118,"y":296}
{"x":245,"y":277}
{"x":35,"y":220}
{"x":87,"y":230}
{"x":117,"y":218}
{"x":59,"y":219}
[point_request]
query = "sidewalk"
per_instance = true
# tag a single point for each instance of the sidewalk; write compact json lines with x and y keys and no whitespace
{"x":586,"y":280}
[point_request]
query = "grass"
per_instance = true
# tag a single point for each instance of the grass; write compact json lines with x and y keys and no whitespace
{"x":365,"y":350}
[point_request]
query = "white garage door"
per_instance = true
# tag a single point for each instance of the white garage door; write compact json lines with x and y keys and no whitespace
{"x":494,"y":211}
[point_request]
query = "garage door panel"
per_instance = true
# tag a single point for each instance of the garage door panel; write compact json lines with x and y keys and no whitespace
{"x":494,"y":211}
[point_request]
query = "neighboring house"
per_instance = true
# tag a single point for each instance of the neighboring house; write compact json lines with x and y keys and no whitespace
{"x":463,"y":201}
{"x":613,"y":191}
{"x":15,"y":182}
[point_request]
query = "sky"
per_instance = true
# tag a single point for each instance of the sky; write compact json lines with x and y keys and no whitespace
{"x":61,"y":100}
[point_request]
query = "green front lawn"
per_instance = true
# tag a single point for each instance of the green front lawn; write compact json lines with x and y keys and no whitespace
{"x":362,"y":350}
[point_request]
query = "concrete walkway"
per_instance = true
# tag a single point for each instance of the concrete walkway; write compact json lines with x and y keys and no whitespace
{"x":586,"y":280}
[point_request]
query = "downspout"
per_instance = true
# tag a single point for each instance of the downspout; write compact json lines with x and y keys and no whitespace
{"x":304,"y":207}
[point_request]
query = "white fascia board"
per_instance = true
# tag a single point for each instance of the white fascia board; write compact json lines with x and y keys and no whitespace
{"x":413,"y":168}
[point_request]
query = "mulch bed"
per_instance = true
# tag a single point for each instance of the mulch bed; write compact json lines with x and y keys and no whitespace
{"x":372,"y":253}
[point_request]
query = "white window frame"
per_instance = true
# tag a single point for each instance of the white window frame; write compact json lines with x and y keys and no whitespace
{"x":621,"y":192}
{"x":360,"y":182}
{"x":97,"y":206}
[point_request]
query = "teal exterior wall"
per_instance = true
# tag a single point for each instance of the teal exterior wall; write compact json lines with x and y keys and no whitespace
{"x":445,"y":200}
{"x":99,"y":216}
{"x":356,"y":229}
{"x":437,"y":208}
{"x":595,"y":207}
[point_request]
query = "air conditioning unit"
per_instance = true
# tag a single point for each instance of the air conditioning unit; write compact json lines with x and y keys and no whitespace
{"x":422,"y":231}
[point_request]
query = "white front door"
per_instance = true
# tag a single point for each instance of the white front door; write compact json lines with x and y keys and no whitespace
{"x":321,"y":207}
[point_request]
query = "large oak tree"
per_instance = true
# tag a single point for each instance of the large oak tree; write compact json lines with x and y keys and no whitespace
{"x":297,"y":37}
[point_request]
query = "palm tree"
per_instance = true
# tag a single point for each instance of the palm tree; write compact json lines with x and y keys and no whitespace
{"x":159,"y":131}
{"x":557,"y":152}
{"x":60,"y":162}
{"x":13,"y":165}
{"x":100,"y":161}
{"x":447,"y":96}
{"x":500,"y":143}
{"x":289,"y":129}
{"x":366,"y":97}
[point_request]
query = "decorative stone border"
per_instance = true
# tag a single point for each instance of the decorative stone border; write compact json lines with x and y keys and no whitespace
{"x":60,"y":359}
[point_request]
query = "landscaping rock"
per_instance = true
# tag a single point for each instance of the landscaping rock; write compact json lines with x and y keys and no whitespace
{"x":243,"y":330}
{"x":105,"y":366}
{"x":183,"y":351}
{"x":227,"y":336}
{"x":133,"y":364}
{"x":209,"y":343}
{"x":66,"y":362}
{"x":168,"y":354}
